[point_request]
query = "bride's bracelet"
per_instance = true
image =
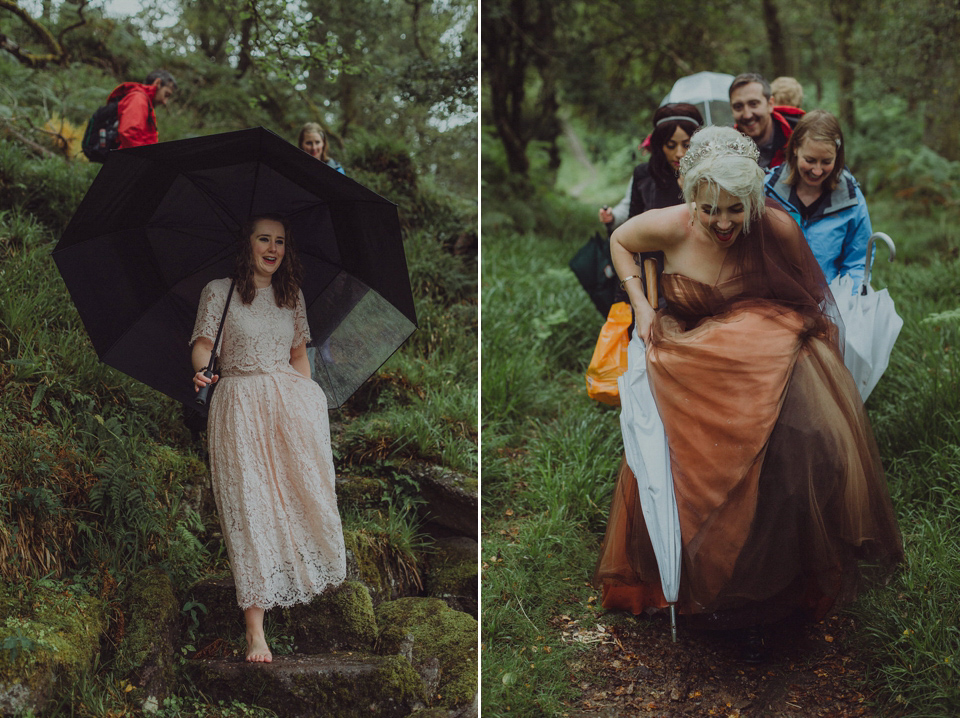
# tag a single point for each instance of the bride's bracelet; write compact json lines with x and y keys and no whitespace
{"x":627,"y":279}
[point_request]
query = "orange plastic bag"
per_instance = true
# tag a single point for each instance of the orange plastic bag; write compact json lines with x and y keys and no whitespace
{"x":610,"y":356}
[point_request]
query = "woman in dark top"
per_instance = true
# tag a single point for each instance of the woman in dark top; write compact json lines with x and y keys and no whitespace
{"x":656,"y":183}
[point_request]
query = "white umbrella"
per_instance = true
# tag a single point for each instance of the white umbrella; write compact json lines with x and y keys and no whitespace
{"x":870,"y":321}
{"x":709,"y":91}
{"x":648,"y":456}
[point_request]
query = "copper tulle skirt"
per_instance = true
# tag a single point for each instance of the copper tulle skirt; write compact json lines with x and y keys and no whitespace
{"x":780,"y":490}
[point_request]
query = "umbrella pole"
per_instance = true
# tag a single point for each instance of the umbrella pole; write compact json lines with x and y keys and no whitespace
{"x":673,"y":621}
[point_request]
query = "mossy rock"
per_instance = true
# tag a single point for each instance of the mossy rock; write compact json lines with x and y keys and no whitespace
{"x":453,"y":574}
{"x":451,"y":498}
{"x":146,"y":652}
{"x":345,"y":685}
{"x":359,"y":491}
{"x":338,"y":619}
{"x":55,"y":634}
{"x":441,"y":644}
{"x":214,"y":604}
{"x":386,"y":580}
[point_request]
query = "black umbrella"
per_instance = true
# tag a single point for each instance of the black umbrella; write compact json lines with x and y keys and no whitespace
{"x":160,"y":221}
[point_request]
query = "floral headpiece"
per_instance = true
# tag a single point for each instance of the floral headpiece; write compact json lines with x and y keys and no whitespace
{"x":742,"y":146}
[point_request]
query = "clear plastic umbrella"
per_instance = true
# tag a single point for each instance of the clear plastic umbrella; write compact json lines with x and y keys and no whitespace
{"x":870,"y":322}
{"x":709,"y":91}
{"x":648,"y":456}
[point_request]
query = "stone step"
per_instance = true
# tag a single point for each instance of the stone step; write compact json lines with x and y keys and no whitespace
{"x":339,"y":619}
{"x":346,"y":685}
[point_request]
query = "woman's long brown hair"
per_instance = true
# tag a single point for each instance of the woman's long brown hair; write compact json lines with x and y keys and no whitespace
{"x":286,"y":280}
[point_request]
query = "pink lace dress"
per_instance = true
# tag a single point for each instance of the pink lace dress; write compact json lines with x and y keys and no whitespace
{"x":270,"y":457}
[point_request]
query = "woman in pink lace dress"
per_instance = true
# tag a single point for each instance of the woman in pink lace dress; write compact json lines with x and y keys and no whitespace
{"x":269,"y":436}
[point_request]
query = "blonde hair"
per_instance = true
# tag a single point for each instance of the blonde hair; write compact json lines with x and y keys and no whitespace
{"x":787,"y":91}
{"x":722,"y":158}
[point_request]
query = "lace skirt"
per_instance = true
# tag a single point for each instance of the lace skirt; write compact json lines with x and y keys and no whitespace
{"x":273,"y":480}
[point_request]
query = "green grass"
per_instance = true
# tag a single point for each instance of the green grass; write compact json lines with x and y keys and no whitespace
{"x":550,"y":456}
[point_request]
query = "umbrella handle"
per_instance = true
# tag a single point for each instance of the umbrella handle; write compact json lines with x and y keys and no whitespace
{"x":204,"y":393}
{"x":885,"y":238}
{"x":650,"y":272}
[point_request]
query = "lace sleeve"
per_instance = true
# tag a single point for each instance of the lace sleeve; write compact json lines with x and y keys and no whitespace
{"x":209,"y":312}
{"x":301,"y":329}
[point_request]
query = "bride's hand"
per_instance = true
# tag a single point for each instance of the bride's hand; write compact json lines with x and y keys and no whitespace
{"x":644,"y":326}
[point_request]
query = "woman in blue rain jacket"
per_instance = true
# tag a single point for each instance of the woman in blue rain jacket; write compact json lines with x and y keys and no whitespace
{"x":821,"y":194}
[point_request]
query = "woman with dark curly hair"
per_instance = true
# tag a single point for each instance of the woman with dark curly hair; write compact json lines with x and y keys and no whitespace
{"x":656,"y":183}
{"x":270,"y":457}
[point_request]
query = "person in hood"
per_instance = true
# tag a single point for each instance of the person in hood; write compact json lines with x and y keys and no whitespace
{"x":137,"y":121}
{"x":769,"y":126}
{"x":821,"y":194}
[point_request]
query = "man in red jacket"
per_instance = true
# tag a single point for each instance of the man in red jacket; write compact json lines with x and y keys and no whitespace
{"x":137,"y":120}
{"x":755,"y":116}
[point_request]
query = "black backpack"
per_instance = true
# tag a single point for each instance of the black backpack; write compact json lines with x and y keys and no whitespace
{"x":101,"y":135}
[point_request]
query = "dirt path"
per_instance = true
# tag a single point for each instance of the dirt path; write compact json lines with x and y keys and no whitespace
{"x":636,"y":670}
{"x":576,"y":148}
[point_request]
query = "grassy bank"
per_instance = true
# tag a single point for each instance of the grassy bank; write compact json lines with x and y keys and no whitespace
{"x":550,"y":456}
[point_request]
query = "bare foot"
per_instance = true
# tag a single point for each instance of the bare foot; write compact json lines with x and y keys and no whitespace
{"x":257,"y":649}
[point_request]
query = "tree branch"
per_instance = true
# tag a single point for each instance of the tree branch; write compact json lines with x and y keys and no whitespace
{"x":80,"y":23}
{"x":30,"y":144}
{"x":416,"y":5}
{"x":30,"y":59}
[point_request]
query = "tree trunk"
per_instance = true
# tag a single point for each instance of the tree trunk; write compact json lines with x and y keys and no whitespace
{"x":941,"y":113}
{"x":518,"y":38}
{"x":941,"y":116}
{"x":775,"y":36}
{"x":845,"y":13}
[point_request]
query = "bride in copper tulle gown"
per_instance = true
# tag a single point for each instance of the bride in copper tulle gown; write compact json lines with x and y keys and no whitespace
{"x":779,"y":487}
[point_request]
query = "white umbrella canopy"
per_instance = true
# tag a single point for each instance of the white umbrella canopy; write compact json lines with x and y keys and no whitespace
{"x":709,"y":91}
{"x":871,"y":323}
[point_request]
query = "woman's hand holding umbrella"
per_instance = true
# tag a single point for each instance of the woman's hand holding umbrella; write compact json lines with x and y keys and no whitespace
{"x":204,"y":378}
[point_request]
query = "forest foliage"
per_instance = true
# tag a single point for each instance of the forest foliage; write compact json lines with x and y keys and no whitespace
{"x":611,"y":62}
{"x":406,"y":68}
